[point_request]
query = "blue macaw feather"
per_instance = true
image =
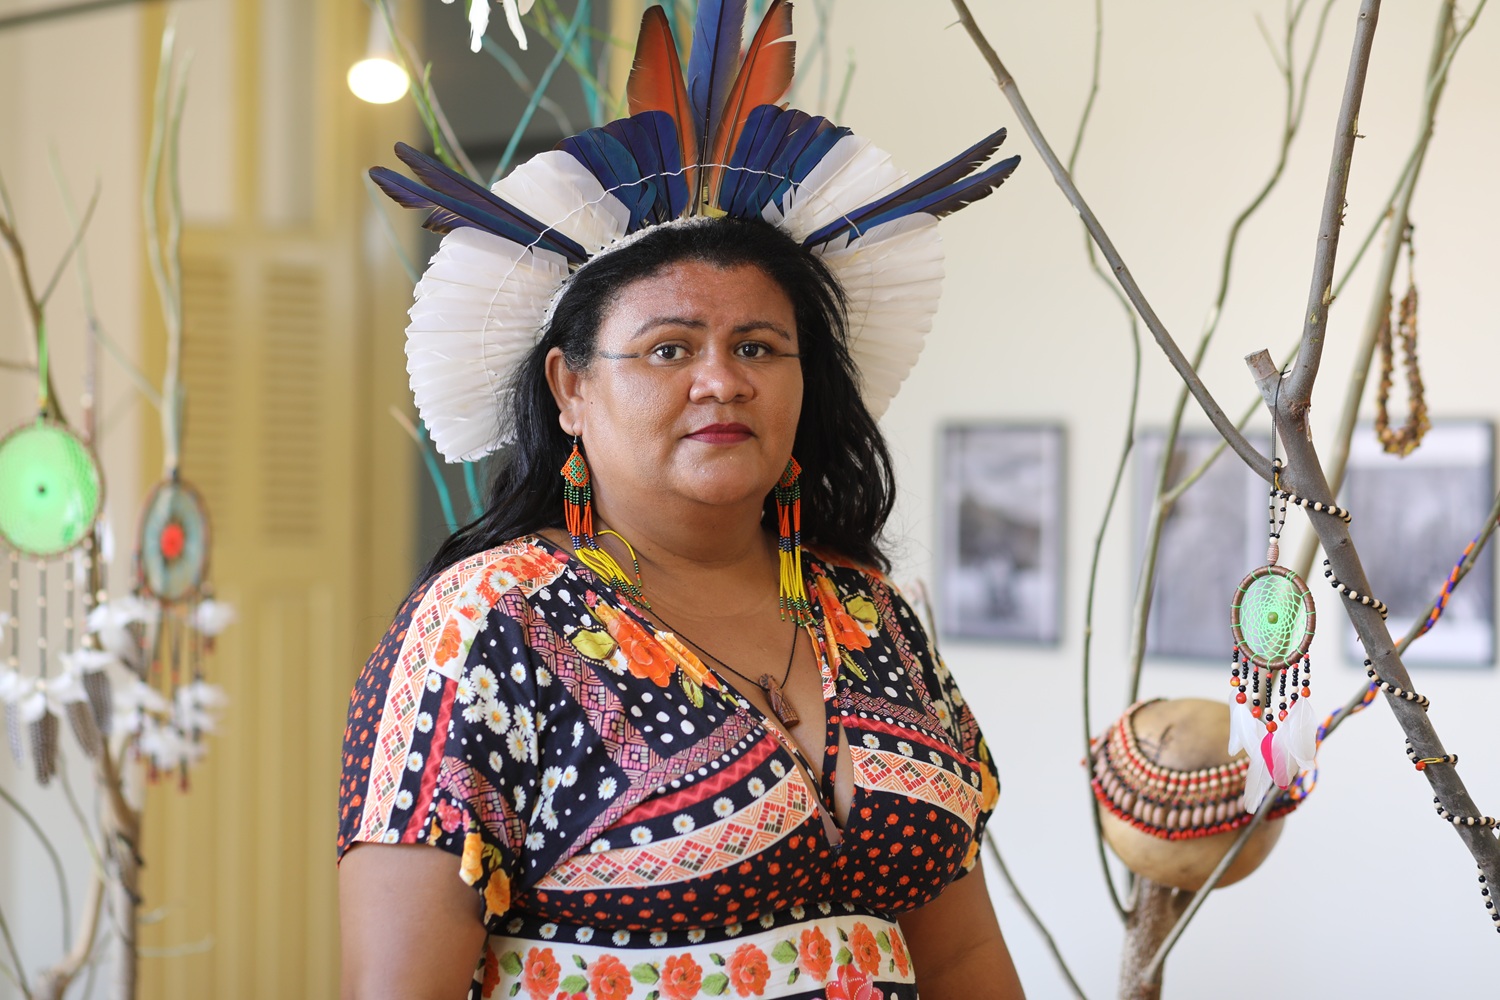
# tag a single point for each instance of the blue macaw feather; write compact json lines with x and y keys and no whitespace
{"x":940,"y":177}
{"x":610,"y":160}
{"x":648,"y":165}
{"x":451,"y":212}
{"x":718,"y":34}
{"x":441,"y":178}
{"x":651,"y":138}
{"x":763,"y":133}
{"x":801,"y":130}
{"x":805,"y":149}
{"x":936,"y":203}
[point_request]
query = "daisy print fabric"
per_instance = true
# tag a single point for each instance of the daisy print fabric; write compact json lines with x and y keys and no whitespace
{"x":633,"y":826}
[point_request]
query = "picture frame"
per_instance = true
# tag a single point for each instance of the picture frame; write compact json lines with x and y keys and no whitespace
{"x":1412,"y":518}
{"x":1000,"y":559}
{"x":1213,"y":535}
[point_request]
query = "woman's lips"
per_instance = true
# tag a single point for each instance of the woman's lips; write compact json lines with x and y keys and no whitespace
{"x":722,"y":434}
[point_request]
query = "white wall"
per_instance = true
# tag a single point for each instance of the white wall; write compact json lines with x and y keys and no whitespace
{"x":70,"y":86}
{"x":1368,"y":893}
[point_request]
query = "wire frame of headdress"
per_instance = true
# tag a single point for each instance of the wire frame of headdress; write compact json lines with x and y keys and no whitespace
{"x":1273,"y":617}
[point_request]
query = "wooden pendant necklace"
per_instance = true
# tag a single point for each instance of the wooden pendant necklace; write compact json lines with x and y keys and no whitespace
{"x":783,"y":709}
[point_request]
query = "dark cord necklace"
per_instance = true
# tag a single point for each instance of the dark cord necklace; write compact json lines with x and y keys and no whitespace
{"x":785,"y":713}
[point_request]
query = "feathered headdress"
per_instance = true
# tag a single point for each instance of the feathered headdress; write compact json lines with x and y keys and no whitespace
{"x":713,"y":142}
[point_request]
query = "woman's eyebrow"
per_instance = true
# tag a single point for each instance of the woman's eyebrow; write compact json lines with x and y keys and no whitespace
{"x":698,"y":324}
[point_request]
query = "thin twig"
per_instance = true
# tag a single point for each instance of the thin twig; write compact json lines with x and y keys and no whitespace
{"x":445,"y":144}
{"x":18,"y":973}
{"x":543,"y":82}
{"x":1154,"y":968}
{"x":994,"y":849}
{"x":1294,"y":103}
{"x":1129,"y":443}
{"x":1445,"y":47}
{"x":52,"y":855}
{"x":1008,"y":87}
{"x":1298,"y":390}
{"x":86,"y":291}
{"x":78,"y":233}
{"x":377,"y":204}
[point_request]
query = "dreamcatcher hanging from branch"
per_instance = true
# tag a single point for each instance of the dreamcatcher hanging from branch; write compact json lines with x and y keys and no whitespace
{"x":51,"y":495}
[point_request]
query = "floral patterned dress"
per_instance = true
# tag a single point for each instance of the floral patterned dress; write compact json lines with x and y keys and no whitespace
{"x":635,"y":828}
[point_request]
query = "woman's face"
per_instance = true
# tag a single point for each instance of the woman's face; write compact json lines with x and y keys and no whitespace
{"x":694,"y":392}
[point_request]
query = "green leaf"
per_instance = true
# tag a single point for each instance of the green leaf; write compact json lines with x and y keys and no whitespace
{"x":884,"y":940}
{"x":793,"y":977}
{"x":716,"y":985}
{"x":515,"y":987}
{"x":652,"y":995}
{"x":593,"y":643}
{"x":784,"y":952}
{"x":511,"y":963}
{"x":843,"y":935}
{"x":844,"y":957}
{"x":715,"y":958}
{"x":578,"y":961}
{"x":645,"y":973}
{"x":854,"y":668}
{"x":574,"y":984}
{"x":491,"y":853}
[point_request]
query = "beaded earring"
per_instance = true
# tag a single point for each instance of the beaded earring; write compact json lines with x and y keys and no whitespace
{"x":578,"y":516}
{"x":788,"y":494}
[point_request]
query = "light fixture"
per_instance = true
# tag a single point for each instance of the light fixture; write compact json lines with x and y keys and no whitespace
{"x":378,"y":78}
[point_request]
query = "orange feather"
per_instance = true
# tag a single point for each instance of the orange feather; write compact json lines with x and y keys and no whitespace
{"x":764,"y":78}
{"x":656,"y":82}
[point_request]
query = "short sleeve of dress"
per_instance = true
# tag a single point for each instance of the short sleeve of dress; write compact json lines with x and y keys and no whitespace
{"x":953,"y":711}
{"x":441,"y":742}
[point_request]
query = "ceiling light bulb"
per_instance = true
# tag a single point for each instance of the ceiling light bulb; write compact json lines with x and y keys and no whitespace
{"x":378,"y":81}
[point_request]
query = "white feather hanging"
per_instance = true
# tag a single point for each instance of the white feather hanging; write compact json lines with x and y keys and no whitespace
{"x":893,"y":279}
{"x":855,"y":172}
{"x":1244,"y":731}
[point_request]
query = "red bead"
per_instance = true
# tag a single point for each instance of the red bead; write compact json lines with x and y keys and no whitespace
{"x":1306,"y":691}
{"x":1240,"y":697}
{"x":1421,"y":765}
{"x":1270,"y":727}
{"x":1281,"y":716}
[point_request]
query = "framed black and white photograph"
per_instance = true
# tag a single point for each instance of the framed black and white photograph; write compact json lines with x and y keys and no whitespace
{"x":1211,"y":537}
{"x":1000,"y":561}
{"x":1412,"y":518}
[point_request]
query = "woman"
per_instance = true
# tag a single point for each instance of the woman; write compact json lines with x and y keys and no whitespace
{"x":644,"y":773}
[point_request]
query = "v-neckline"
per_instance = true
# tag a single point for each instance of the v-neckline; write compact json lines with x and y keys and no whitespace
{"x":823,"y":784}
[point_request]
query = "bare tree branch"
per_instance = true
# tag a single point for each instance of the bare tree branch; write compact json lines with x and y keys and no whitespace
{"x":1260,"y":463}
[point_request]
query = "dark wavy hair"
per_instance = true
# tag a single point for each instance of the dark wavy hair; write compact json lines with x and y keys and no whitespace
{"x":848,"y":488}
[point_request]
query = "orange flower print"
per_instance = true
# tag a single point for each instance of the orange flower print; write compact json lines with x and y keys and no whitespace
{"x":472,"y":866}
{"x":681,"y":978}
{"x":815,"y":954}
{"x":540,"y":973}
{"x":853,"y":985}
{"x":687,"y":660}
{"x":496,"y":894}
{"x":898,"y":954}
{"x":866,"y":950}
{"x":840,"y":624}
{"x":643,"y":655}
{"x":609,"y":979}
{"x":491,"y":973}
{"x":449,"y":643}
{"x":749,"y":970}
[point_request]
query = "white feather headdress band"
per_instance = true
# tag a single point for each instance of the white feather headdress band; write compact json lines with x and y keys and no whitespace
{"x":507,"y":253}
